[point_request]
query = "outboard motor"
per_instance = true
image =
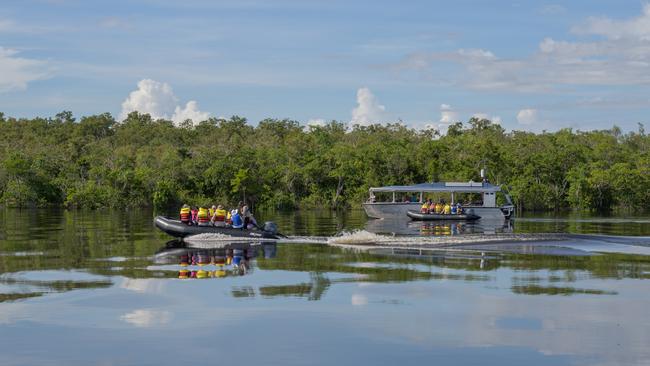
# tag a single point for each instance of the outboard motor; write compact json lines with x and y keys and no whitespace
{"x":270,"y":227}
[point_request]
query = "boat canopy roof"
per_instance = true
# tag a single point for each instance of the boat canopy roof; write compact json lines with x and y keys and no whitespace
{"x":474,"y":187}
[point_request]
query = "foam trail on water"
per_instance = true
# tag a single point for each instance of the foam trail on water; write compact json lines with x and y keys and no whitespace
{"x":362,"y":237}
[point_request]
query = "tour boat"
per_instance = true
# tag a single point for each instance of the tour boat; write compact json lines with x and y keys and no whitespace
{"x":401,"y":199}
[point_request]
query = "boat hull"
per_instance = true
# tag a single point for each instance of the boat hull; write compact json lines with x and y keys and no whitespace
{"x":440,"y":217}
{"x":178,"y":229}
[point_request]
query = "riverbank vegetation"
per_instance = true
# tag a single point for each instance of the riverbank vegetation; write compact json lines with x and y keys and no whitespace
{"x":99,"y":162}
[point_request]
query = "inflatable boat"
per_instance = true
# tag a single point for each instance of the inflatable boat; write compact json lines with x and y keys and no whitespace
{"x":178,"y":229}
{"x":418,"y":216}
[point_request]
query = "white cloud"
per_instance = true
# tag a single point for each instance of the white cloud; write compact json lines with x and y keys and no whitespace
{"x":17,"y":72}
{"x":552,"y":9}
{"x":158,"y":100}
{"x":447,"y":114}
{"x":146,"y":285}
{"x":368,"y":110}
{"x":145,"y":318}
{"x":191,"y":112}
{"x":636,"y":28}
{"x":527,"y":116}
{"x":493,"y":119}
{"x":116,"y":23}
{"x":316,"y":122}
{"x":620,"y":57}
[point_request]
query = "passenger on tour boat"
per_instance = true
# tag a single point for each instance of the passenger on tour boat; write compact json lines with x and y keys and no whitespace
{"x":454,"y":210}
{"x":446,"y":209}
{"x":438,"y":208}
{"x":218,"y":219}
{"x":185,"y":214}
{"x":459,"y":208}
{"x":425,"y":207}
{"x":211,"y":211}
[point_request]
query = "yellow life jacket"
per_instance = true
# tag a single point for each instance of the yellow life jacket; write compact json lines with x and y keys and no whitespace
{"x":185,"y":214}
{"x":447,"y":210}
{"x":203,"y":215}
{"x":220,"y":215}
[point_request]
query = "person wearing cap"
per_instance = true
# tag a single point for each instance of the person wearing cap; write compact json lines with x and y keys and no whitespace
{"x":219,"y":217}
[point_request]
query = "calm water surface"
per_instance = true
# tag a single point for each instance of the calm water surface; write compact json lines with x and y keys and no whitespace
{"x":106,"y":288}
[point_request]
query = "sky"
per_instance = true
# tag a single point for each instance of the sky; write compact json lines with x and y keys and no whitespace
{"x":528,"y":65}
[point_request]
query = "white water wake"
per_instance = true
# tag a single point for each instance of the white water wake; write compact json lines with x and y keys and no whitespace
{"x":363,"y":237}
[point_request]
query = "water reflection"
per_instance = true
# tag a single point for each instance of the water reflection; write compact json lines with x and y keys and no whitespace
{"x":214,"y":259}
{"x":110,"y":277}
{"x":438,"y":228}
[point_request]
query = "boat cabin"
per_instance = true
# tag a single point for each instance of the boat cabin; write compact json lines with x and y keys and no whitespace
{"x":467,"y":193}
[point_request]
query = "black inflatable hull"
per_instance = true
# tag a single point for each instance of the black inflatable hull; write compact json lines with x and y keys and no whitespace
{"x":440,"y":217}
{"x":177,"y":229}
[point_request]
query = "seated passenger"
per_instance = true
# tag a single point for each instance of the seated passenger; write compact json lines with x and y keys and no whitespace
{"x":185,"y":214}
{"x":438,"y":208}
{"x":246,"y":214}
{"x":202,"y":216}
{"x":211,"y":211}
{"x":459,"y":208}
{"x":237,"y":222}
{"x":425,"y":207}
{"x":194,"y":216}
{"x":219,"y":217}
{"x":454,"y":210}
{"x":446,"y":209}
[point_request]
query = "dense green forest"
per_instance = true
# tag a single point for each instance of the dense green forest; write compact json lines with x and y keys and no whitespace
{"x":99,"y":162}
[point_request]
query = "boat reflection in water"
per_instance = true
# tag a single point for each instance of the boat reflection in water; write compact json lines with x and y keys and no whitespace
{"x":214,"y":260}
{"x":438,"y":228}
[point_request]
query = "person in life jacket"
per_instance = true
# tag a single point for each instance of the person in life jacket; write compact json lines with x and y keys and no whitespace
{"x":194,"y":213}
{"x":424,"y":208}
{"x":203,"y":218}
{"x":446,"y":209}
{"x":237,"y":222}
{"x":454,"y":209}
{"x":219,"y":217}
{"x":185,"y":214}
{"x":211,"y":211}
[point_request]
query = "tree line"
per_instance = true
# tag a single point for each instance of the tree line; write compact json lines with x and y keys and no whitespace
{"x":99,"y":162}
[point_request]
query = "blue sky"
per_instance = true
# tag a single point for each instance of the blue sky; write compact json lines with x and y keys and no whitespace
{"x":528,"y":65}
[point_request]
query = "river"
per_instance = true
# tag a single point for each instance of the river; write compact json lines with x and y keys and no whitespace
{"x":107,"y":288}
